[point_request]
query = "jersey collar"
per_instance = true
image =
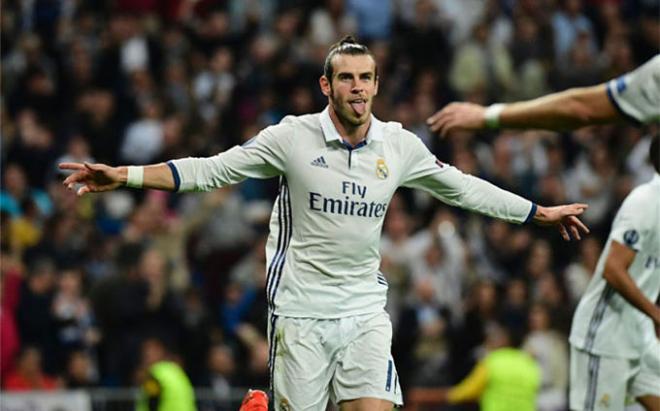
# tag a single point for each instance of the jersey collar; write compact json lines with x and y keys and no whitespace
{"x":330,"y":132}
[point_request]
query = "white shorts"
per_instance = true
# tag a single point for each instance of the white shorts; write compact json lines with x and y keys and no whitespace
{"x":313,"y":361}
{"x":605,"y":383}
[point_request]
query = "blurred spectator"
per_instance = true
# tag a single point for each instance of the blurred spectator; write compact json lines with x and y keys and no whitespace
{"x":29,"y":374}
{"x":36,"y":324}
{"x":506,"y":378}
{"x":80,"y":371}
{"x":164,"y":384}
{"x":578,"y":273}
{"x":550,"y":350}
{"x":481,"y":67}
{"x":569,"y":24}
{"x":221,"y":370}
{"x":143,"y":141}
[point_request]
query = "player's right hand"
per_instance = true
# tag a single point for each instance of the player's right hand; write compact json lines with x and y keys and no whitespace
{"x":457,"y":116}
{"x":93,"y":178}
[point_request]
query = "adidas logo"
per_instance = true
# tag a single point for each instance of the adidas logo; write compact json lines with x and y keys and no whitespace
{"x":319,"y":162}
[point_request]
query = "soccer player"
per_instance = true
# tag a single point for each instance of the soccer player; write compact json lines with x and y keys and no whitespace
{"x":330,"y":337}
{"x":634,"y":96}
{"x":614,"y":348}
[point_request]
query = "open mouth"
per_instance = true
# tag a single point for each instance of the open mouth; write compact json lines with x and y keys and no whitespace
{"x":359,"y":106}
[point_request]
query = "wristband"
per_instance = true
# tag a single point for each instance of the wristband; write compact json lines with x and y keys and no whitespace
{"x":492,"y":115}
{"x":135,"y":176}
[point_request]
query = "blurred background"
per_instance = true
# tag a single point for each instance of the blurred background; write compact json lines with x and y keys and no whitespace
{"x":85,"y":282}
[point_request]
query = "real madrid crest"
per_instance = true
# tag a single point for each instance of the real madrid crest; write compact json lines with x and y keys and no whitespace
{"x":381,"y":169}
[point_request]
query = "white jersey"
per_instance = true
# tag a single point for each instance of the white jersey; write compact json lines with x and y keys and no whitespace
{"x":604,"y":322}
{"x":323,"y":248}
{"x":637,"y":94}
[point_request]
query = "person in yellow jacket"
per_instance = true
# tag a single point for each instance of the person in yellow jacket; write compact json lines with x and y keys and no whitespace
{"x":506,"y":379}
{"x":165,"y":386}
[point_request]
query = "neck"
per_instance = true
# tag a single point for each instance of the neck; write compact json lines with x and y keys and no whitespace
{"x":350,"y":133}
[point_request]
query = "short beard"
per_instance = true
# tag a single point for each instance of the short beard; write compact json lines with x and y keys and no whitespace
{"x":344,"y":118}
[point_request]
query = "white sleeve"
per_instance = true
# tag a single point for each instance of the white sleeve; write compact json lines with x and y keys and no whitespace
{"x":630,"y":226}
{"x":637,"y":94}
{"x":263,"y":156}
{"x":453,"y":187}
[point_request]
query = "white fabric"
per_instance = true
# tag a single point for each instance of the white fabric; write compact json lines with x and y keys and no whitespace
{"x":637,"y":94}
{"x":604,"y":322}
{"x":325,"y":227}
{"x":609,"y":383}
{"x":336,"y":360}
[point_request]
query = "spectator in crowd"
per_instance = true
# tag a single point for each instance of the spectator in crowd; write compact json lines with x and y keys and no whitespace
{"x":29,"y":374}
{"x":164,"y":384}
{"x":506,"y":378}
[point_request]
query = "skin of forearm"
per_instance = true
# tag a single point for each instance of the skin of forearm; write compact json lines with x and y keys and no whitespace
{"x":565,"y":110}
{"x":157,"y":177}
{"x":619,"y":279}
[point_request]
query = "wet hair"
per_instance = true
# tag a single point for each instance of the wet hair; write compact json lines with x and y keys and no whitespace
{"x":347,"y":45}
{"x":654,"y":152}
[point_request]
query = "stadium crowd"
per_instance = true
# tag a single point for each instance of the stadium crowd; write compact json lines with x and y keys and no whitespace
{"x":86,"y":281}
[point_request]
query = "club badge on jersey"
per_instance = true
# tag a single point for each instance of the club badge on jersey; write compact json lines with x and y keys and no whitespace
{"x":381,"y":169}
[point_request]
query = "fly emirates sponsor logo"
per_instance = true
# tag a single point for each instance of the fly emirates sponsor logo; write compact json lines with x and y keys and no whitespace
{"x":352,"y":203}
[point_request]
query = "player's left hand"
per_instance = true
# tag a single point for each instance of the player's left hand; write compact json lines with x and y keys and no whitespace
{"x":565,"y":217}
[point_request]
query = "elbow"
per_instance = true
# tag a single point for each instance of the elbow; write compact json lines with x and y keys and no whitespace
{"x":611,"y":273}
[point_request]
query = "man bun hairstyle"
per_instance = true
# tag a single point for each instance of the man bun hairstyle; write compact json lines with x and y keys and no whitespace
{"x":347,"y":45}
{"x":654,"y":152}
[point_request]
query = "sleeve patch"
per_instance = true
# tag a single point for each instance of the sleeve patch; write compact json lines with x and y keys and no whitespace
{"x":620,"y":85}
{"x":631,"y":237}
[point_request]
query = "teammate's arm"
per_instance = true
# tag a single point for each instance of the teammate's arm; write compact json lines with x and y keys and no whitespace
{"x":616,"y":274}
{"x":568,"y":109}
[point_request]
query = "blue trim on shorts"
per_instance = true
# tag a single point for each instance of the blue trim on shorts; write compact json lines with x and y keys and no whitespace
{"x":388,"y":384}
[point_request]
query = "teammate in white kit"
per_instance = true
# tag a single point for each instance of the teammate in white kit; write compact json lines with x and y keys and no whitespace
{"x":330,"y":338}
{"x":614,"y":347}
{"x":615,"y":351}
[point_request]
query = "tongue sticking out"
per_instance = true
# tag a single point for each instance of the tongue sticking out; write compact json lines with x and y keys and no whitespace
{"x":359,"y":107}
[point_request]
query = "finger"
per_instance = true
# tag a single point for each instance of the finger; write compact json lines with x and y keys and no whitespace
{"x":437,"y":123}
{"x":443,"y":123}
{"x":71,"y":166}
{"x":434,"y":118}
{"x":91,"y":167}
{"x":574,"y":232}
{"x":564,"y":233}
{"x":75,"y":178}
{"x":83,"y":190}
{"x":576,"y":221}
{"x":580,"y":208}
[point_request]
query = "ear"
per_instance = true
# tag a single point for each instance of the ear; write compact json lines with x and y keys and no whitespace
{"x":376,"y":87}
{"x":326,"y":87}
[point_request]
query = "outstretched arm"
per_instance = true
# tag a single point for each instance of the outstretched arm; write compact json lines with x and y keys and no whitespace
{"x":262,"y":157}
{"x":568,"y":109}
{"x":96,"y":178}
{"x":634,"y":96}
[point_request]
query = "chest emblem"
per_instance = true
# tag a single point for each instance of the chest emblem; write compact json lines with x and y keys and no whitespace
{"x":381,"y":169}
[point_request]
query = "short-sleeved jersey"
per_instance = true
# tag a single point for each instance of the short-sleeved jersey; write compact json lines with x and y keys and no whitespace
{"x":323,"y":248}
{"x":604,"y":322}
{"x":637,"y":94}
